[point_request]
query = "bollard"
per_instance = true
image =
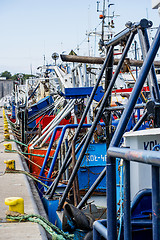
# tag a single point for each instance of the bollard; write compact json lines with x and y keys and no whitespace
{"x":16,"y":204}
{"x":5,"y":126}
{"x":6,"y":131}
{"x":8,"y":146}
{"x":10,"y":164}
{"x":6,"y":136}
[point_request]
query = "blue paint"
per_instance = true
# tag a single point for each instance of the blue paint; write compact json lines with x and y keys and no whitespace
{"x":92,"y":165}
{"x":51,"y":207}
{"x":43,"y":103}
{"x":83,"y":92}
{"x":13,"y":110}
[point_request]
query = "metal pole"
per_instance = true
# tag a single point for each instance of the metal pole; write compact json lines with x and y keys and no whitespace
{"x":100,"y":60}
{"x":141,"y":120}
{"x":152,"y":80}
{"x":103,"y":23}
{"x":140,"y":156}
{"x":111,"y":201}
{"x":100,"y":230}
{"x":118,"y":108}
{"x":23,"y":126}
{"x":49,"y":149}
{"x":107,"y":114}
{"x":127,"y":209}
{"x":155,"y":203}
{"x":25,"y":123}
{"x":98,"y":116}
{"x":66,"y":149}
{"x":152,"y":71}
{"x":135,"y":49}
{"x":108,"y":137}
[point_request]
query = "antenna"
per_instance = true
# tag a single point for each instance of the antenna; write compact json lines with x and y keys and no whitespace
{"x":44,"y":58}
{"x":105,"y":15}
{"x":31,"y":68}
{"x":98,"y":2}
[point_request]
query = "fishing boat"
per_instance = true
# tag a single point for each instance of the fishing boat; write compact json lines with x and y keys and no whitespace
{"x":78,"y":142}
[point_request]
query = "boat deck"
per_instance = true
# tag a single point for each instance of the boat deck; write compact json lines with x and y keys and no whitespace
{"x":16,"y":185}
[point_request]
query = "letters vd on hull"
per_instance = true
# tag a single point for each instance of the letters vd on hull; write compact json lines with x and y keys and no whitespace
{"x":150,"y":144}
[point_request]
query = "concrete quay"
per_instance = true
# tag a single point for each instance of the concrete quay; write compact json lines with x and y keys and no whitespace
{"x":16,"y":185}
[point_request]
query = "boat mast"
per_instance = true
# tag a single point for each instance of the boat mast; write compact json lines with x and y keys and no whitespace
{"x":109,"y":25}
{"x":103,"y":21}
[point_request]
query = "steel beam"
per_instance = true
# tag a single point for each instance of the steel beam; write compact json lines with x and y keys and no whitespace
{"x":126,"y":202}
{"x":140,"y":156}
{"x":155,"y":203}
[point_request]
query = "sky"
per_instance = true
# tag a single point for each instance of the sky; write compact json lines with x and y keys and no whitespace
{"x":32,"y":29}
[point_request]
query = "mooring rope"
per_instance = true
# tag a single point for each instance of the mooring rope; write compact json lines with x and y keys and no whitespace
{"x":54,"y":231}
